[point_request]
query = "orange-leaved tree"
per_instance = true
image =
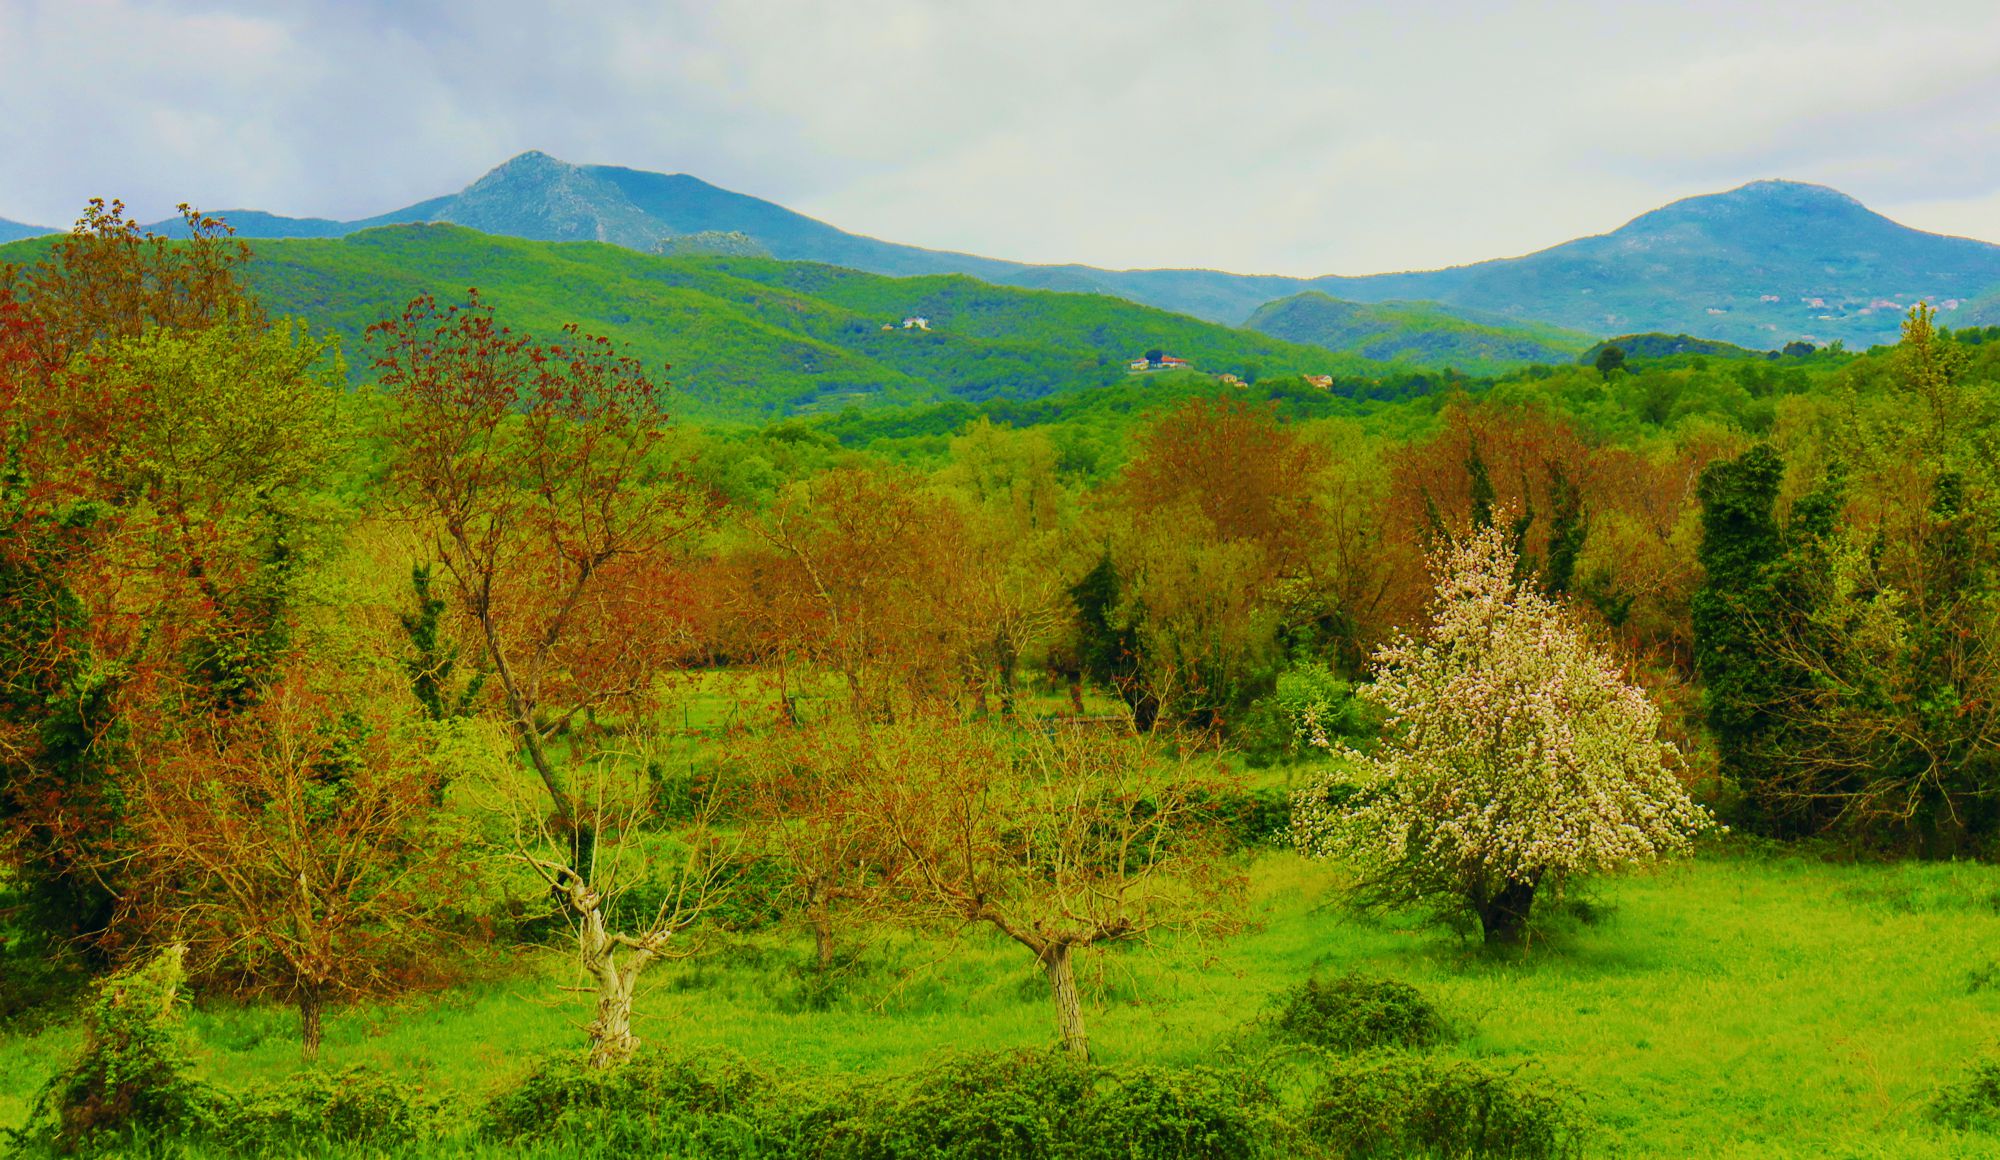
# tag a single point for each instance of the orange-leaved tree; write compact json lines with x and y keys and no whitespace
{"x":1062,"y":843}
{"x":540,"y":479}
{"x":297,"y":848}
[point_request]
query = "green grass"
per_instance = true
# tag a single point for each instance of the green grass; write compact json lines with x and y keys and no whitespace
{"x":1736,"y":1006}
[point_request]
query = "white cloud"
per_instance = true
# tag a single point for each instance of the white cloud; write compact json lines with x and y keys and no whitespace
{"x":1291,"y":137}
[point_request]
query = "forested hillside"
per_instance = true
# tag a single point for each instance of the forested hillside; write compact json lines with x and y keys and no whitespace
{"x":1419,"y":333}
{"x":752,"y":338}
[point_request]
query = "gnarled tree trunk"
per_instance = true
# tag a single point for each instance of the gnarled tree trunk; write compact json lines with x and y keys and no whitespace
{"x":310,"y":1004}
{"x":1503,"y":916}
{"x":1057,"y":964}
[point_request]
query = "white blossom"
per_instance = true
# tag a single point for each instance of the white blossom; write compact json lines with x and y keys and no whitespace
{"x":1516,"y":751}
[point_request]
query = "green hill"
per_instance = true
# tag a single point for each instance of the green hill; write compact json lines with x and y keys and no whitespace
{"x":753,"y":338}
{"x":1416,"y":332}
{"x":1659,"y":346}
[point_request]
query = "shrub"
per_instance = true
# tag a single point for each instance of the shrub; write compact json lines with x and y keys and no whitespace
{"x":354,"y":1106}
{"x":1197,"y":1113}
{"x":132,"y":1074}
{"x":1352,"y":1014}
{"x":1250,"y":817}
{"x":998,"y":1106}
{"x":713,"y":1105}
{"x":972,"y":1107}
{"x":1307,"y":706}
{"x":1973,"y":1102}
{"x":1400,"y":1105}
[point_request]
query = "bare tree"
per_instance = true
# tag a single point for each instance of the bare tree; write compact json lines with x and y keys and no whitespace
{"x":643,"y":894}
{"x":298,"y":849}
{"x":807,"y":803}
{"x":1061,"y":843}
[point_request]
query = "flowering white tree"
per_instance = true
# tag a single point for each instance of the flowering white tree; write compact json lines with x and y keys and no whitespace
{"x":1517,"y":757}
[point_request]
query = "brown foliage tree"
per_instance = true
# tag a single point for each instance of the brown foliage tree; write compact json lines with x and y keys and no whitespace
{"x":297,"y":849}
{"x":1061,"y":843}
{"x":860,"y":571}
{"x":806,"y":802}
{"x":540,"y":480}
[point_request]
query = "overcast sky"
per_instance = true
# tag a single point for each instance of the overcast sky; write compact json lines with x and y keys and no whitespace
{"x":1299,"y":138}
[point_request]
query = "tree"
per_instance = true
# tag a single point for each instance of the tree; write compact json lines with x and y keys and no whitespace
{"x":1611,"y":358}
{"x":297,"y":849}
{"x":433,"y":660}
{"x":1854,"y":680}
{"x":1517,"y":758}
{"x":862,"y":570}
{"x":1011,"y":575}
{"x":1220,"y":552}
{"x":163,"y":455}
{"x":1061,"y":842}
{"x":807,"y":804}
{"x":640,"y":894}
{"x":541,"y":482}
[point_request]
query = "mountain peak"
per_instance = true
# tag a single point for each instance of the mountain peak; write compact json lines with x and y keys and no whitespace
{"x":1781,"y":189}
{"x":535,"y":195}
{"x":1758,"y":203}
{"x":532,"y":164}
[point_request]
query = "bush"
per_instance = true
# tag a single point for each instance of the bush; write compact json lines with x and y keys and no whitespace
{"x":1251,"y":817}
{"x":973,"y":1107}
{"x":132,"y":1075}
{"x":1401,"y":1105}
{"x":714,"y":1105}
{"x":1190,"y":1112}
{"x":984,"y":1106}
{"x":1972,"y":1103}
{"x":354,"y":1106}
{"x":1352,"y":1013}
{"x":1308,"y":703}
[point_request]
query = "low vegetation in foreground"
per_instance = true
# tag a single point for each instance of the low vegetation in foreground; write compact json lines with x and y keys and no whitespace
{"x":1750,"y":1003}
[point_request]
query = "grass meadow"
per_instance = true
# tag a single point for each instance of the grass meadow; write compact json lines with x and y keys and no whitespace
{"x":1743,"y":1004}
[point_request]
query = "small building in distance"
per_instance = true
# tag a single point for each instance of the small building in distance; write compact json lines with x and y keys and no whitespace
{"x":916,"y":322}
{"x":1323,"y":382}
{"x":1155,"y":361}
{"x":1230,"y":381}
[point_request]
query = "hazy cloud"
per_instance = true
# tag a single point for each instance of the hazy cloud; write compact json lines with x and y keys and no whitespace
{"x":1289,"y":137}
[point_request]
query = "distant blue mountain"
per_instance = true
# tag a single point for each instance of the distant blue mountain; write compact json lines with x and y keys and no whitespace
{"x":1759,"y":265}
{"x":15,"y":231}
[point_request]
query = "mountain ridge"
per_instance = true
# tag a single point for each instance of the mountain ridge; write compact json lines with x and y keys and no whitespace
{"x":1416,"y":332}
{"x":1767,"y":262}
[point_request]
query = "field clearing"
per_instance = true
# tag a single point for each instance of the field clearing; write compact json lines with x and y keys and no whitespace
{"x":1740,"y":1005}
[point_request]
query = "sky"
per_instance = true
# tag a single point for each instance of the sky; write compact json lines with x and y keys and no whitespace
{"x":1295,"y":138}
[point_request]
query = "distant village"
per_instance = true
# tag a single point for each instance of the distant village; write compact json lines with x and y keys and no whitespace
{"x":1147,"y":363}
{"x":1159,"y":361}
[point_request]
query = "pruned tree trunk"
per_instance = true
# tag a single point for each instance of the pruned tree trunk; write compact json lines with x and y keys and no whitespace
{"x":615,"y":979}
{"x":310,"y":1004}
{"x":611,"y":1038}
{"x":822,"y":924}
{"x":1057,"y":964}
{"x":1504,"y":916}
